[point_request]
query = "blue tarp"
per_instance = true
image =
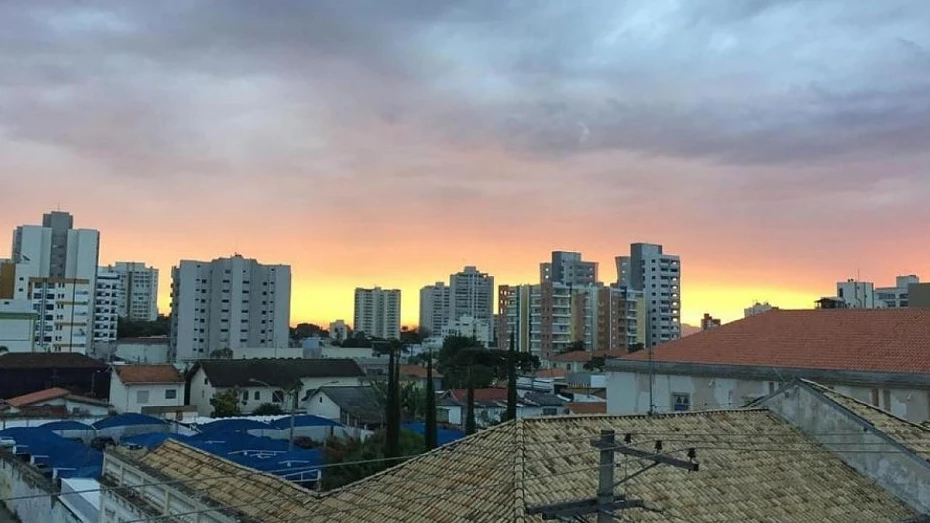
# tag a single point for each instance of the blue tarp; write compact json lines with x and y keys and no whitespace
{"x":443,"y":436}
{"x":232,"y":425}
{"x":152,"y":439}
{"x":304,"y":420}
{"x":124,"y":420}
{"x":47,"y":448}
{"x":66,"y":425}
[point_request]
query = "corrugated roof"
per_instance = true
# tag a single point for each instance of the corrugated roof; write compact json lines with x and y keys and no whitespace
{"x":878,"y":340}
{"x":754,"y":467}
{"x":139,"y":374}
{"x":280,"y":372}
{"x":362,"y":403}
{"x":47,"y":360}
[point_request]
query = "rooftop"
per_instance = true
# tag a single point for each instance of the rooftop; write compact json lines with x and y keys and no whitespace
{"x":280,"y":372}
{"x":583,"y":356}
{"x":37,"y":397}
{"x":877,"y":340}
{"x":362,"y":403}
{"x":48,"y":360}
{"x":140,"y":374}
{"x":416,"y":371}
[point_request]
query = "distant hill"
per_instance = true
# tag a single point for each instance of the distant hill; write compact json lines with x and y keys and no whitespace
{"x":687,"y":330}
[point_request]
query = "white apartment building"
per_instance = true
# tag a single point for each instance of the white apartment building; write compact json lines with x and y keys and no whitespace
{"x":897,"y":296}
{"x":338,"y":330}
{"x":658,"y":276}
{"x":138,"y":293}
{"x":757,"y":308}
{"x":228,"y":303}
{"x":377,"y":312}
{"x":471,"y":293}
{"x":434,"y":307}
{"x":568,"y":268}
{"x":65,"y":309}
{"x":17,"y":325}
{"x":858,"y":294}
{"x":481,"y":330}
{"x":106,"y":299}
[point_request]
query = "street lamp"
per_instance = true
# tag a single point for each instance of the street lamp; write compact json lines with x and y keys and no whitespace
{"x":290,"y":439}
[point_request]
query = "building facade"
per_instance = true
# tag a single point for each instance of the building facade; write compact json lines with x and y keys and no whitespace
{"x":547,"y":318}
{"x":138,"y":292}
{"x":471,"y":293}
{"x":228,"y":303}
{"x":658,"y":276}
{"x":858,"y":294}
{"x":897,"y":296}
{"x":568,"y":268}
{"x":481,"y":330}
{"x":377,"y":312}
{"x":17,"y":325}
{"x":338,"y":330}
{"x":434,"y":307}
{"x":757,"y":308}
{"x":106,"y":306}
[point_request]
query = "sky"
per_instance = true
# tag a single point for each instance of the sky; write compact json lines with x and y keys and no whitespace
{"x":777,"y":146}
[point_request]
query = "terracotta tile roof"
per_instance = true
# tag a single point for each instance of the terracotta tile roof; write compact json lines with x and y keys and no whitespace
{"x":551,"y":373}
{"x":878,"y":340}
{"x":585,"y":356}
{"x":495,"y":475}
{"x":588,"y":407}
{"x":38,"y":397}
{"x":490,"y":394}
{"x":416,"y":371}
{"x":138,"y":374}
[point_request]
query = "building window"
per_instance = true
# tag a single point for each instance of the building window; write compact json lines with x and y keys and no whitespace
{"x":258,"y":395}
{"x":886,"y":400}
{"x":142,"y":396}
{"x":550,"y":411}
{"x":171,"y":394}
{"x":681,"y":401}
{"x":245,"y":396}
{"x":874,"y":397}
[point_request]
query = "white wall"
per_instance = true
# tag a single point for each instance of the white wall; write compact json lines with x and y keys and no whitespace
{"x":201,"y":393}
{"x":143,"y":352}
{"x":17,"y":480}
{"x":17,"y":321}
{"x":331,"y":351}
{"x":126,"y":398}
{"x":251,"y":353}
{"x":320,"y":405}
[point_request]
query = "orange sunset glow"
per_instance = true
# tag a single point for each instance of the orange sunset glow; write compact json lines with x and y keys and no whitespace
{"x":396,"y":153}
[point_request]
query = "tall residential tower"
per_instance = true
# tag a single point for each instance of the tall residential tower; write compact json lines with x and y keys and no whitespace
{"x":658,"y":276}
{"x":377,"y":312}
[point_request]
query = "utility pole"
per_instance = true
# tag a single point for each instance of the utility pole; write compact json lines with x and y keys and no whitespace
{"x":607,"y":503}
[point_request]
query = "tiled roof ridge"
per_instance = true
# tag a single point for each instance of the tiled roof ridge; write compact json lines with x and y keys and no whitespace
{"x":686,"y":413}
{"x":827,"y":391}
{"x":519,"y":470}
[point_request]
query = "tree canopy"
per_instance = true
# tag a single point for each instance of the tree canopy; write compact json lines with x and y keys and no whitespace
{"x":226,"y":403}
{"x":268,"y":409}
{"x":353,"y":451}
{"x":463,"y":361}
{"x":143,"y":329}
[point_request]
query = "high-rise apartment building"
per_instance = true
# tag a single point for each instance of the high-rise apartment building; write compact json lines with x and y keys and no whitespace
{"x":471,"y":293}
{"x":547,"y":318}
{"x":138,"y":292}
{"x":658,"y":276}
{"x":568,"y":268}
{"x":434,"y":307}
{"x":231,"y":303}
{"x":897,"y":296}
{"x":54,"y":266}
{"x":377,"y":312}
{"x":106,"y":303}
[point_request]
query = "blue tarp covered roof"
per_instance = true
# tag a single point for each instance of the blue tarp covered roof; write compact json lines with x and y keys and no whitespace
{"x":152,"y":439}
{"x":67,"y":425}
{"x":231,"y":425}
{"x":304,"y":420}
{"x":443,"y":436}
{"x":74,"y":460}
{"x":123,"y":420}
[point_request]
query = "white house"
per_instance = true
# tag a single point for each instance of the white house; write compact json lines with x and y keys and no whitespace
{"x":261,"y":381}
{"x":137,"y":387}
{"x":358,"y":407}
{"x":491,"y":406}
{"x":878,"y":356}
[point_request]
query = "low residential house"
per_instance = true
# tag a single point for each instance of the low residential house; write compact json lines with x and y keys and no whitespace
{"x":416,"y":374}
{"x":55,"y":402}
{"x":491,"y":405}
{"x":357,"y":407}
{"x":25,"y":372}
{"x":800,"y":458}
{"x":576,"y":361}
{"x":879,"y":356}
{"x":137,"y":387}
{"x":262,"y":381}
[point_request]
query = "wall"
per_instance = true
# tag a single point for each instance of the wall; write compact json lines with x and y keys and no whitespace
{"x":628,"y":393}
{"x":19,"y":479}
{"x":143,"y":352}
{"x":17,"y":321}
{"x":201,"y":393}
{"x":321,"y":405}
{"x":867,"y":450}
{"x":250,"y":353}
{"x":125,"y":398}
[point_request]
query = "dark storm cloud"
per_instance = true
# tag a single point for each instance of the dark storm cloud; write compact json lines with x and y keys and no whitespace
{"x":743,"y":82}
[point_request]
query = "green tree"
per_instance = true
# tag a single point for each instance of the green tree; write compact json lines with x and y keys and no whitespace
{"x":268,"y":409}
{"x":463,"y":360}
{"x":470,"y":410}
{"x":371,"y":451}
{"x":226,"y":403}
{"x":512,"y":380}
{"x":307,"y":330}
{"x":222,"y":354}
{"x":575,"y":346}
{"x":141,"y":329}
{"x":357,"y":339}
{"x":595,"y":364}
{"x":430,"y":426}
{"x":636,"y":347}
{"x":4,"y":348}
{"x":392,"y":411}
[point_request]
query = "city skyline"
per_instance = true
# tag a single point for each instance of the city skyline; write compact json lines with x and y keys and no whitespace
{"x":395,"y":147}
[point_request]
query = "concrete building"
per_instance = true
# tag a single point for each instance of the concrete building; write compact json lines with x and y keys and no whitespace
{"x":471,"y":293}
{"x":151,"y":349}
{"x":106,"y":306}
{"x":228,"y":303}
{"x":757,"y":308}
{"x":918,"y":295}
{"x":137,"y":387}
{"x":65,"y":312}
{"x":658,"y":276}
{"x":858,"y":294}
{"x":377,"y":312}
{"x":897,"y":296}
{"x":338,"y":330}
{"x":434,"y":307}
{"x":878,"y":356}
{"x":568,"y":268}
{"x":548,"y":318}
{"x":138,"y":291}
{"x":465,"y":325}
{"x":709,"y":322}
{"x":17,"y":325}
